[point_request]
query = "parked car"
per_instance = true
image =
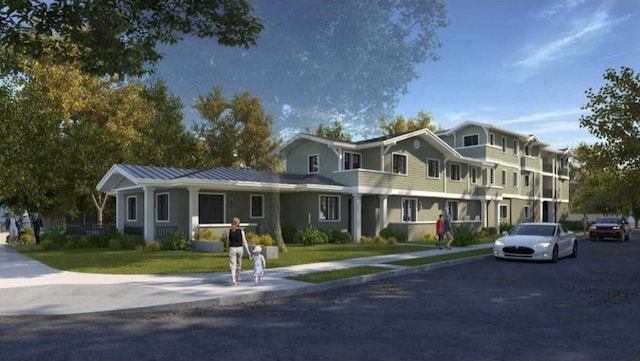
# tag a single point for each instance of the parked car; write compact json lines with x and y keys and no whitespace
{"x":611,"y":227}
{"x":536,"y":241}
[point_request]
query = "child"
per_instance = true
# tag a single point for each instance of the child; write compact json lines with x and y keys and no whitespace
{"x":259,"y":264}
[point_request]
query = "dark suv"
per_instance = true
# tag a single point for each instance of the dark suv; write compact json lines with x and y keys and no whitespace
{"x":609,"y":227}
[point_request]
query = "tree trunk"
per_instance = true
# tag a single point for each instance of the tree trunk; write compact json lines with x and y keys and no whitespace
{"x":100,"y":202}
{"x":275,"y":221}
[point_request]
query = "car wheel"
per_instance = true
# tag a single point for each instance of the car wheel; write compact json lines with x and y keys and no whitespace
{"x":554,"y":257}
{"x":574,"y":252}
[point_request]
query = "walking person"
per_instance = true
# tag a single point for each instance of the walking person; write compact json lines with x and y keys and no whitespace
{"x":585,"y":223}
{"x":440,"y":231}
{"x":259,"y":264}
{"x":236,"y":244}
{"x":448,"y":231}
{"x":37,"y":226}
{"x":14,"y":229}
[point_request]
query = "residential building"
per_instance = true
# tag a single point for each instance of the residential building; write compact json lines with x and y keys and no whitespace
{"x":481,"y":175}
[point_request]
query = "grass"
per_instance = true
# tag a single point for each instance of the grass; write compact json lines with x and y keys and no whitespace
{"x":327,"y":276}
{"x":441,"y":258}
{"x":186,"y":262}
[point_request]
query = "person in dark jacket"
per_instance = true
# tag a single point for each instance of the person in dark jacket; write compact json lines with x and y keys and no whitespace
{"x":236,"y":243}
{"x":37,"y":226}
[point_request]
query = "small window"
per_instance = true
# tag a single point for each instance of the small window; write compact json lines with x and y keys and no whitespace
{"x":515,"y":179}
{"x":515,"y":147}
{"x":492,"y":176}
{"x":504,"y":177}
{"x":329,"y":208}
{"x":132,"y":209}
{"x":526,"y":213}
{"x":470,"y":140}
{"x":314,"y":163}
{"x":526,"y":150}
{"x":409,"y":210}
{"x":399,"y":164}
{"x":452,"y":210}
{"x":474,"y":175}
{"x":504,"y":144}
{"x":526,"y":180}
{"x":504,"y":211}
{"x":455,"y":172}
{"x":492,"y":139}
{"x":433,"y":168}
{"x":162,"y":207}
{"x":351,"y":160}
{"x":257,"y":206}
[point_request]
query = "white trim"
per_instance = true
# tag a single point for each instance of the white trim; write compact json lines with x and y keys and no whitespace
{"x":459,"y":172}
{"x":438,"y":171}
{"x":309,"y":171}
{"x":415,"y":210}
{"x":406,"y":163}
{"x":135,"y":211}
{"x":157,"y":195}
{"x":320,"y":196}
{"x":464,"y":137}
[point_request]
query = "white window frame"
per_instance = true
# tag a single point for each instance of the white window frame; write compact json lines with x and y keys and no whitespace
{"x":135,"y":209}
{"x":414,"y":210}
{"x":474,"y":175}
{"x":492,"y":176}
{"x":158,"y":195}
{"x":324,"y":218}
{"x":348,"y":160}
{"x":405,"y":166}
{"x":526,"y":210}
{"x":477,"y":140}
{"x":437,"y":171}
{"x":313,"y":167}
{"x":527,"y":181}
{"x":452,"y":209}
{"x":251,"y":215}
{"x":515,"y":179}
{"x":506,"y":208}
{"x":453,"y":174}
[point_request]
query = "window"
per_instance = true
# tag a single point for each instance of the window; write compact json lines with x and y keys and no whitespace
{"x":526,"y":150}
{"x":470,"y":140}
{"x":132,"y":209}
{"x":526,"y":213}
{"x":515,"y":179}
{"x":329,"y":208}
{"x":455,"y":172}
{"x":399,"y":164}
{"x":433,"y":168}
{"x":314,"y":163}
{"x":504,"y":211}
{"x":351,"y":160}
{"x":526,"y":180}
{"x":211,"y":208}
{"x":452,"y":210}
{"x":474,"y":175}
{"x":162,"y":207}
{"x":504,"y":177}
{"x":515,"y":147}
{"x":256,"y":206}
{"x":409,"y":209}
{"x":492,"y":176}
{"x":504,"y":144}
{"x":492,"y":139}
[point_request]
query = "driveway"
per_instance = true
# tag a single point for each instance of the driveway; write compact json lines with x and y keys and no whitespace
{"x":578,"y":309}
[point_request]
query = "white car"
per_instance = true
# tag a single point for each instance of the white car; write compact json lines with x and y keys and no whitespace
{"x":540,"y":241}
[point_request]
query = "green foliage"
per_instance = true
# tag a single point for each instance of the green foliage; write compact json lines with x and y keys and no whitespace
{"x":390,"y":232}
{"x":205,"y":234}
{"x":115,"y":243}
{"x":401,"y":125}
{"x":175,"y":242}
{"x":463,"y":236}
{"x":505,"y":227}
{"x":338,"y":236}
{"x":289,"y":233}
{"x":336,"y":131}
{"x":131,"y":242}
{"x":575,"y":226}
{"x":153,"y":246}
{"x":312,"y":236}
{"x":255,"y":239}
{"x":488,"y":231}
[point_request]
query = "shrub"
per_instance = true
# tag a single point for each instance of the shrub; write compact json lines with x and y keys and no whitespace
{"x":463,"y":236}
{"x":575,"y":226}
{"x":378,"y":239}
{"x":391,"y":241}
{"x":505,"y":227}
{"x":153,"y":246}
{"x":311,"y":236}
{"x":55,"y":239}
{"x":490,"y":231}
{"x":256,"y":239}
{"x":390,"y":232}
{"x":26,"y":238}
{"x":428,"y":237}
{"x":130,"y":241}
{"x":267,"y":240}
{"x":366,"y":240}
{"x":338,"y":236}
{"x":115,"y":243}
{"x":206,"y":234}
{"x":47,"y":245}
{"x":289,"y":233}
{"x":176,"y":241}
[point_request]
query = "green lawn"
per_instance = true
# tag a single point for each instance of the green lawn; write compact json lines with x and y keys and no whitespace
{"x":181,"y":262}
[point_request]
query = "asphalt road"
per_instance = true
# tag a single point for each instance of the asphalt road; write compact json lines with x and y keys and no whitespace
{"x":586,"y":308}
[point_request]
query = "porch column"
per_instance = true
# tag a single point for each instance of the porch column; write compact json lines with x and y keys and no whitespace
{"x":498,"y":216}
{"x":483,"y":213}
{"x":121,"y":212}
{"x":194,"y":210}
{"x":357,"y":217}
{"x":383,"y":213}
{"x":149,"y":215}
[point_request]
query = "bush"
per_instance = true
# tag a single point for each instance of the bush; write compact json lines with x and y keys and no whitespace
{"x":115,"y":243}
{"x":255,"y":239}
{"x":47,"y":245}
{"x":505,"y":227}
{"x":130,"y":241}
{"x":153,"y":246}
{"x":390,"y":232}
{"x":176,"y":242}
{"x":311,"y":236}
{"x":55,"y":240}
{"x":463,"y":236}
{"x":338,"y":236}
{"x":490,"y":231}
{"x":366,"y":240}
{"x":289,"y":234}
{"x":575,"y":226}
{"x":205,"y":234}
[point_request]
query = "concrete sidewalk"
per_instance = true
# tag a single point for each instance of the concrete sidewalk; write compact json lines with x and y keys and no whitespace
{"x":28,"y":287}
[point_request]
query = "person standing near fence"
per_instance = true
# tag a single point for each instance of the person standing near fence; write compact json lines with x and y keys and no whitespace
{"x":13,"y":226}
{"x":236,"y":244}
{"x":37,"y":226}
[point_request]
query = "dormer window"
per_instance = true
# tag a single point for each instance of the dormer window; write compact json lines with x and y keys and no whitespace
{"x":351,"y":160}
{"x":470,"y":140}
{"x":526,"y":150}
{"x":314,"y":163}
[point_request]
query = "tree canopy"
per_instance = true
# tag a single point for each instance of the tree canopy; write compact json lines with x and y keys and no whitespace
{"x":401,"y":125}
{"x":319,"y":60}
{"x":117,"y":37}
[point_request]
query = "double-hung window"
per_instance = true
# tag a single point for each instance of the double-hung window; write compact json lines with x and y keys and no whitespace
{"x":399,"y":163}
{"x":329,"y":208}
{"x":409,"y":209}
{"x":452,"y":210}
{"x":474,"y":175}
{"x":351,"y":160}
{"x":455,"y":172}
{"x":470,"y":140}
{"x":313,"y":163}
{"x":257,"y":206}
{"x":132,"y":209}
{"x":162,"y":207}
{"x":433,"y":168}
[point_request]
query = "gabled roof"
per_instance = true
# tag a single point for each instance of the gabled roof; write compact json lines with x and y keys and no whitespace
{"x":521,"y":136}
{"x":137,"y":176}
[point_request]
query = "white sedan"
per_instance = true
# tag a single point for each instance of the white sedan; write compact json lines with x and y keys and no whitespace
{"x":540,"y":241}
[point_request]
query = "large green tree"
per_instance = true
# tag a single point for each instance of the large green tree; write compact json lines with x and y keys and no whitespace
{"x":116,"y":37}
{"x":404,"y":125}
{"x":614,"y":118}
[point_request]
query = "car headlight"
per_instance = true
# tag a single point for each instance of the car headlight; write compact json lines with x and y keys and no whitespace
{"x":616,"y":227}
{"x":542,"y":245}
{"x":499,"y":243}
{"x":592,"y":228}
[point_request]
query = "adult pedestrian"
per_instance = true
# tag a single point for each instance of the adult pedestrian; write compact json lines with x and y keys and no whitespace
{"x":440,"y":231}
{"x":585,"y":223}
{"x":448,"y":231}
{"x":13,"y":226}
{"x":236,"y":243}
{"x":37,"y":226}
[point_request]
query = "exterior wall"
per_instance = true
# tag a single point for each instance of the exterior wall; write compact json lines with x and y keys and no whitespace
{"x":297,"y":162}
{"x":370,"y":215}
{"x":300,"y":209}
{"x":372,"y":158}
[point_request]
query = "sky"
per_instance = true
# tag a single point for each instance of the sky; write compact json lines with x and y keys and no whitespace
{"x":525,"y":65}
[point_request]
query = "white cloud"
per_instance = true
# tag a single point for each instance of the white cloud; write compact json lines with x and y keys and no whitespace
{"x":541,"y":116}
{"x":558,"y":7}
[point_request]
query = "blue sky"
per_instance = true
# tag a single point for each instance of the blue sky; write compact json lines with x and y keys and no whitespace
{"x":525,"y":65}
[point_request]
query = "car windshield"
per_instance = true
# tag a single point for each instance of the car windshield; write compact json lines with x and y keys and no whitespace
{"x":607,"y":220}
{"x":534,"y":230}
